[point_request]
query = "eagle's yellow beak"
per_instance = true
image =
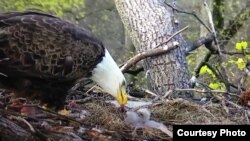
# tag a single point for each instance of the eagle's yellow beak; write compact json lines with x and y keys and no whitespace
{"x":122,"y":96}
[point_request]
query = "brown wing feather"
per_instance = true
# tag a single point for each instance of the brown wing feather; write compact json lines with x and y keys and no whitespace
{"x":37,"y":43}
{"x":43,"y":55}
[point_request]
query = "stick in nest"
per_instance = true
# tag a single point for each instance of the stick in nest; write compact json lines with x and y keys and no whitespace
{"x":24,"y":121}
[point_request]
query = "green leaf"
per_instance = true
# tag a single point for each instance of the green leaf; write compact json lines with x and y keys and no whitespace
{"x":241,"y":45}
{"x":203,"y":69}
{"x":209,"y":71}
{"x":238,"y":46}
{"x":241,"y":63}
{"x":214,"y":85}
{"x":217,"y":85}
{"x":244,"y":44}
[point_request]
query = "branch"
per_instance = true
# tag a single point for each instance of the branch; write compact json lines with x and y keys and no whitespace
{"x":134,"y":72}
{"x":213,"y":50}
{"x":207,"y":41}
{"x":201,"y":41}
{"x":211,"y":91}
{"x":202,"y":63}
{"x":153,"y":52}
{"x":217,"y":75}
{"x":210,"y":19}
{"x":235,"y":53}
{"x":190,"y":13}
{"x":225,"y":80}
{"x":228,"y":32}
{"x":220,"y":77}
{"x":222,"y":73}
{"x":217,"y":97}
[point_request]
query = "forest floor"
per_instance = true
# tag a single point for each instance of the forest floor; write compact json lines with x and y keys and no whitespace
{"x":91,"y":118}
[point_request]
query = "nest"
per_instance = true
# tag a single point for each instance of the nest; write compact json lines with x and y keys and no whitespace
{"x":180,"y":111}
{"x":171,"y":112}
{"x":104,"y":122}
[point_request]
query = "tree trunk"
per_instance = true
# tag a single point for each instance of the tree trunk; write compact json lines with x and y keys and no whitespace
{"x":150,"y":23}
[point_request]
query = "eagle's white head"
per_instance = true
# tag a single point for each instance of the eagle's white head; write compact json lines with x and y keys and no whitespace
{"x":110,"y":78}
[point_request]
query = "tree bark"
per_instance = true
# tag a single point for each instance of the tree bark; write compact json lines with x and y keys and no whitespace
{"x":149,"y":24}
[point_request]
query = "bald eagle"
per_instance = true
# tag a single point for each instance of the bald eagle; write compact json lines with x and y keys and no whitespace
{"x":42,"y":56}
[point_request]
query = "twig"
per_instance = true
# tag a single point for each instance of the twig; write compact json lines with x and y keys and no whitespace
{"x":61,"y":116}
{"x":235,"y":53}
{"x":210,"y":19}
{"x":234,"y":104}
{"x":211,"y":91}
{"x":133,"y":98}
{"x":176,"y":33}
{"x":4,"y":59}
{"x":164,"y":96}
{"x":150,"y":93}
{"x":54,"y":113}
{"x":93,"y":87}
{"x":190,"y":13}
{"x":167,"y":94}
{"x":8,"y":112}
{"x":246,"y":115}
{"x":223,"y":75}
{"x":223,"y":104}
{"x":207,"y":111}
{"x":81,"y":101}
{"x":223,"y":100}
{"x":149,"y":53}
{"x":25,"y":121}
{"x":3,"y":74}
